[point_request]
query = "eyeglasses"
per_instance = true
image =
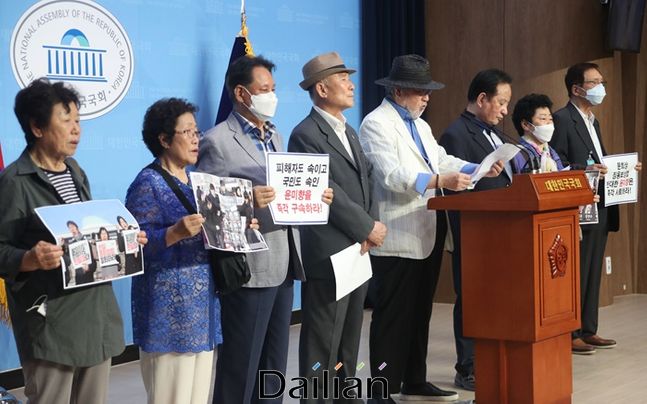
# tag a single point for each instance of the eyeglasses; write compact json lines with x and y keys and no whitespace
{"x":190,"y":133}
{"x":596,"y":82}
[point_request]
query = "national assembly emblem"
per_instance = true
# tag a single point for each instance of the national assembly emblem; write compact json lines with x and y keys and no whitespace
{"x":78,"y":42}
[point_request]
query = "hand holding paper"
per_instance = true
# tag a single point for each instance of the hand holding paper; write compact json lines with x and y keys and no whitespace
{"x":263,"y":195}
{"x":327,"y":196}
{"x":599,"y":167}
{"x":455,"y":181}
{"x":365,"y":247}
{"x":142,"y":238}
{"x":186,"y":227}
{"x":43,"y":255}
{"x":496,"y":169}
{"x":503,"y":153}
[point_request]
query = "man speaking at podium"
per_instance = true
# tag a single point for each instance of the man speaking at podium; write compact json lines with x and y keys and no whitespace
{"x":472,"y":137}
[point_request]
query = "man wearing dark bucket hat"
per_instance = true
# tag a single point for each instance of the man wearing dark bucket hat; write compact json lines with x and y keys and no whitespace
{"x":409,"y":166}
{"x":330,"y":330}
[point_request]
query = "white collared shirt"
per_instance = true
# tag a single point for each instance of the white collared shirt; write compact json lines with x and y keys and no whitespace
{"x":493,"y":139}
{"x":339,"y":126}
{"x":589,"y":121}
{"x":496,"y":142}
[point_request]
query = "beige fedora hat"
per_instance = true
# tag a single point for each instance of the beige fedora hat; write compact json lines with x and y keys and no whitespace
{"x":322,"y":66}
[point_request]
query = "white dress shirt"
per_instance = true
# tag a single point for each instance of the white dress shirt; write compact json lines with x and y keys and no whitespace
{"x":589,"y":121}
{"x":339,"y":126}
{"x":496,"y":142}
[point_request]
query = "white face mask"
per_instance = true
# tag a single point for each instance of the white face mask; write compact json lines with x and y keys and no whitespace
{"x":596,"y":94}
{"x":543,"y":133}
{"x":263,"y":105}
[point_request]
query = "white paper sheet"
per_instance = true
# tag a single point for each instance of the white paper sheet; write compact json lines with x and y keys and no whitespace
{"x":299,"y":180}
{"x":351,"y":269}
{"x":621,"y":179}
{"x":505,"y":152}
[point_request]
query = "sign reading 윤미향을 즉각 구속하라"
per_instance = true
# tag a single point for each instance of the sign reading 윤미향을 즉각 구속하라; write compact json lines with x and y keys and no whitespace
{"x":79,"y":42}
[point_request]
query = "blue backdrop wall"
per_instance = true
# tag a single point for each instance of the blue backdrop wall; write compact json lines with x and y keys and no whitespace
{"x":181,"y":48}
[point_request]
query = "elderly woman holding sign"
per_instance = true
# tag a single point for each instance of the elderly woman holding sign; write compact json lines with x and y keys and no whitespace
{"x":65,"y":338}
{"x":176,"y":314}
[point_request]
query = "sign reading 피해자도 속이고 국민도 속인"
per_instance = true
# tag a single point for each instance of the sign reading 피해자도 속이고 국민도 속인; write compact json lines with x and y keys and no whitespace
{"x":78,"y":42}
{"x":299,"y":180}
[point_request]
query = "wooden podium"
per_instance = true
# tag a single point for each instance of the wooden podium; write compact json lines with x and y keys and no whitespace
{"x":521,"y":284}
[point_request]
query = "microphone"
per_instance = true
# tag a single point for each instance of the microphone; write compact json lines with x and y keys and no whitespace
{"x":530,"y":157}
{"x":534,"y":163}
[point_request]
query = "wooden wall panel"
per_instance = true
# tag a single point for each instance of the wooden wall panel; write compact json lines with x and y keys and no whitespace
{"x":544,"y":36}
{"x":454,"y":53}
{"x":536,"y":42}
{"x":461,"y":40}
{"x":638,"y":213}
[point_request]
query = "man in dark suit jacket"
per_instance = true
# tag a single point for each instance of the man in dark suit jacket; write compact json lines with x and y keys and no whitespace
{"x":330,"y":331}
{"x":471,"y":137}
{"x":578,"y":141}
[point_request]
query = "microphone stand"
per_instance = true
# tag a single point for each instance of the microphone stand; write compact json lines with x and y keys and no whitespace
{"x":530,"y":157}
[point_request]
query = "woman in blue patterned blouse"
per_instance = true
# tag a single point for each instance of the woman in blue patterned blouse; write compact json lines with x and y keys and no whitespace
{"x":176,"y":313}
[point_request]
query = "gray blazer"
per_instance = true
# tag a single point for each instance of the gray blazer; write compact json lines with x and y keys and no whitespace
{"x":226,"y":151}
{"x":352,"y":215}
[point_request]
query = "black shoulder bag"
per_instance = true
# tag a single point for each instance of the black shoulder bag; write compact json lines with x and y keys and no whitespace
{"x":230,"y":269}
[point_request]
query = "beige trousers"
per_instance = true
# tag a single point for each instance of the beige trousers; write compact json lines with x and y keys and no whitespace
{"x":52,"y":383}
{"x":171,"y":378}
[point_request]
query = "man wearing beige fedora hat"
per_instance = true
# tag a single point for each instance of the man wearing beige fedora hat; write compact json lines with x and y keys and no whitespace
{"x":409,"y":167}
{"x":330,"y":330}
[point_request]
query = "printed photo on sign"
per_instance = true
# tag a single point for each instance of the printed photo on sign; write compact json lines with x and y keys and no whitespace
{"x":299,"y":181}
{"x":99,"y":240}
{"x":107,"y":253}
{"x":80,"y":254}
{"x":131,"y":246}
{"x":227,"y":204}
{"x":589,"y":213}
{"x":621,"y":179}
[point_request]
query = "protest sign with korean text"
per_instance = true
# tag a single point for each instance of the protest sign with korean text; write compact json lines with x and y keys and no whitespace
{"x":80,"y":254}
{"x":130,"y":241}
{"x":621,"y":179}
{"x":107,"y":253}
{"x":299,"y":180}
